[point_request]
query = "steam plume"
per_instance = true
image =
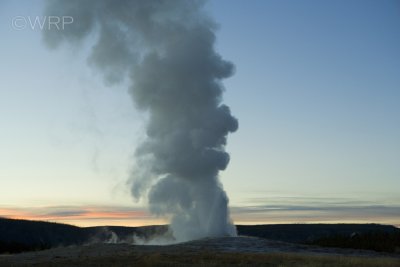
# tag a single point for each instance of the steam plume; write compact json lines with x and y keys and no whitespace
{"x":166,"y":49}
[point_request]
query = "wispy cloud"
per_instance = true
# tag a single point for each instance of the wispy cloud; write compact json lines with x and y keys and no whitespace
{"x":309,"y":210}
{"x":83,"y":215}
{"x":255,"y":210}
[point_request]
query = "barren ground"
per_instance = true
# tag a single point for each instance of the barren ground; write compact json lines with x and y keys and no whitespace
{"x":228,"y":251}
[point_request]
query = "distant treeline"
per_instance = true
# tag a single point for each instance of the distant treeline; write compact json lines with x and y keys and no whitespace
{"x":23,"y":235}
{"x":17,"y":247}
{"x":381,"y":238}
{"x":378,"y":241}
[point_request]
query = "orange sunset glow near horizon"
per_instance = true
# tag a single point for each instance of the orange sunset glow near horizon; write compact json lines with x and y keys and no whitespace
{"x":125,"y":216}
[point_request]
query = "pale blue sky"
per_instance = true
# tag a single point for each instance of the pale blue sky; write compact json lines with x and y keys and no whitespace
{"x":316,"y":92}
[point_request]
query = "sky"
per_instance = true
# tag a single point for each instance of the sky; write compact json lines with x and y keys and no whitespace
{"x":316,"y":91}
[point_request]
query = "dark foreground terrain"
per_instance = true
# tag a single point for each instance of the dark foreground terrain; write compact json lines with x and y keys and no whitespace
{"x":27,"y":243}
{"x":21,"y":235}
{"x":229,"y":251}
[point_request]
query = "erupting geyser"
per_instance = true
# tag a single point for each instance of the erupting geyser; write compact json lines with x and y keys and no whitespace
{"x":166,"y":48}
